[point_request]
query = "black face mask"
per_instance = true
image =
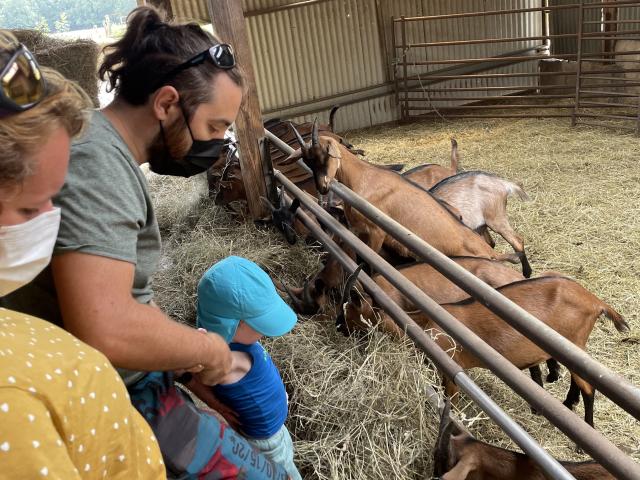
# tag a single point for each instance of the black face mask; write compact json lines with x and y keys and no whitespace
{"x":200,"y":157}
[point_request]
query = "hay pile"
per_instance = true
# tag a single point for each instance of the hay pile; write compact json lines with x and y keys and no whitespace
{"x":356,"y":411}
{"x":583,"y":220}
{"x":75,"y":59}
{"x":359,"y":412}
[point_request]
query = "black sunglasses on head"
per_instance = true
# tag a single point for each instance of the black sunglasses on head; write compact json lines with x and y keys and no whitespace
{"x":221,"y":55}
{"x":22,"y":85}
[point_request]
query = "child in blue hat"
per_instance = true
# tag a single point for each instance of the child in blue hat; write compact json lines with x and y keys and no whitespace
{"x":237,"y":300}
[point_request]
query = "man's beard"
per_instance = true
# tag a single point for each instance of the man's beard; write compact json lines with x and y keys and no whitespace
{"x":169,"y":147}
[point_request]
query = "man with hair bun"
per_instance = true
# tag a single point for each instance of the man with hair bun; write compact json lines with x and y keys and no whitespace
{"x":177,"y":90}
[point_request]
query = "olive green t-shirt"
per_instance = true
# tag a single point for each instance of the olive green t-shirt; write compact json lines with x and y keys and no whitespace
{"x":106,"y":211}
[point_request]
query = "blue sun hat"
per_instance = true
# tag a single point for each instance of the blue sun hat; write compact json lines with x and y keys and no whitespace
{"x":237,"y":289}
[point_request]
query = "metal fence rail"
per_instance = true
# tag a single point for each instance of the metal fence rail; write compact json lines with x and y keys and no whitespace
{"x":440,"y":359}
{"x":611,"y":384}
{"x":417,"y":76}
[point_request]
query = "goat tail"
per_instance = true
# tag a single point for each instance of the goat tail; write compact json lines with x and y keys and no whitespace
{"x":516,"y":189}
{"x":332,"y":115}
{"x":455,"y":164}
{"x":618,"y":322}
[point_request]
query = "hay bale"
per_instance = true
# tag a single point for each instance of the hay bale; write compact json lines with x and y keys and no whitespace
{"x":75,"y":59}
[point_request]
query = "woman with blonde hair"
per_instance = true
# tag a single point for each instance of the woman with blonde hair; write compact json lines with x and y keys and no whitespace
{"x":64,"y":412}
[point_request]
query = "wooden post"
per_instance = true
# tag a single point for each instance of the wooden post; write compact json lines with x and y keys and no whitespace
{"x":610,"y":15}
{"x":229,"y":25}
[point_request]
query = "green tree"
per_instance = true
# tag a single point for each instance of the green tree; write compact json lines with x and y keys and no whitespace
{"x":81,"y":14}
{"x":18,"y":13}
{"x":43,"y":26}
{"x":62,"y":24}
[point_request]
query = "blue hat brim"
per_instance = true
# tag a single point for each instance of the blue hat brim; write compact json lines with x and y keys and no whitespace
{"x":278,"y":321}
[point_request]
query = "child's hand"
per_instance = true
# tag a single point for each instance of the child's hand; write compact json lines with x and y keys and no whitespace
{"x":204,"y":393}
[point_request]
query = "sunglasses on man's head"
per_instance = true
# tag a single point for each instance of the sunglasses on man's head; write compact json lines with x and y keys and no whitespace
{"x":22,"y":85}
{"x":221,"y":55}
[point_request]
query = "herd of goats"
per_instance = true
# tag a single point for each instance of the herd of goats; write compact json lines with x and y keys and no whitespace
{"x":453,"y":212}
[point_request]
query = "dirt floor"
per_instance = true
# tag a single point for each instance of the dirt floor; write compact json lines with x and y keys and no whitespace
{"x":358,"y":411}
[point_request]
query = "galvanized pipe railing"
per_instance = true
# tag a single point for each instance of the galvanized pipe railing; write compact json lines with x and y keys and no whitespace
{"x":578,"y":361}
{"x":588,"y":438}
{"x":441,"y":360}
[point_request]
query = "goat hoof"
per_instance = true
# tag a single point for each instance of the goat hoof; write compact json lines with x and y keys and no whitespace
{"x":552,"y":377}
{"x":569,"y":405}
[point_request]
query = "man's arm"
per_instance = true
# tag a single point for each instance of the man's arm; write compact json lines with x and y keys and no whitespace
{"x":96,"y":304}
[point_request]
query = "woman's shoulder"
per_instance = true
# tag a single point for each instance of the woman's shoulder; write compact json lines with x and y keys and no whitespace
{"x":37,"y":356}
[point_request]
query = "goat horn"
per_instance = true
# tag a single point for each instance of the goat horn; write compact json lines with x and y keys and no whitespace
{"x":351,"y":281}
{"x":301,"y":141}
{"x":314,"y":133}
{"x":268,"y":204}
{"x":297,"y":303}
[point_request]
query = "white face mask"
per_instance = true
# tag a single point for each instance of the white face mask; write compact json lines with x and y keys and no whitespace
{"x":25,"y":250}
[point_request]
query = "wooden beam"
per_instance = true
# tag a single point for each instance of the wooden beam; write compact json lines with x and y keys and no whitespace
{"x":229,"y":25}
{"x":161,"y":4}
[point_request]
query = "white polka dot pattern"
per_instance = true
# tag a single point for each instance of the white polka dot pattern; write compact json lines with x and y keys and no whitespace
{"x":63,"y":402}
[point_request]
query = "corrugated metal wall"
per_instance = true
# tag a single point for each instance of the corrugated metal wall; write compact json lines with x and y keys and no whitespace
{"x":319,"y":51}
{"x":339,"y":46}
{"x":344,"y":48}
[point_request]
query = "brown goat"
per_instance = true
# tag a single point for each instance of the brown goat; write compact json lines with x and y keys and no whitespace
{"x":481,"y":200}
{"x":405,"y":202}
{"x":559,"y":302}
{"x":428,"y":174}
{"x":459,"y":456}
{"x":362,"y":308}
{"x":362,"y":312}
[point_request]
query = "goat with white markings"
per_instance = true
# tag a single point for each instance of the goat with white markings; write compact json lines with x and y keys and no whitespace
{"x":481,"y":200}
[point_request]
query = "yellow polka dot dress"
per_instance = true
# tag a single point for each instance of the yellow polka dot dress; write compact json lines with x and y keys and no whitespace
{"x":64,"y":411}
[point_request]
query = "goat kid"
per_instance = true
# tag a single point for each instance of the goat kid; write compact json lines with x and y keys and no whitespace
{"x":400,"y":199}
{"x":459,"y":456}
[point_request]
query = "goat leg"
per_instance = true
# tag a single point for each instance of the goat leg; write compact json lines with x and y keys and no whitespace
{"x":573,"y":395}
{"x":554,"y":370}
{"x":526,"y":268}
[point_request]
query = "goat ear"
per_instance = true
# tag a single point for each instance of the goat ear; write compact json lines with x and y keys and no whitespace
{"x":334,"y":150}
{"x":442,"y":455}
{"x":294,"y":205}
